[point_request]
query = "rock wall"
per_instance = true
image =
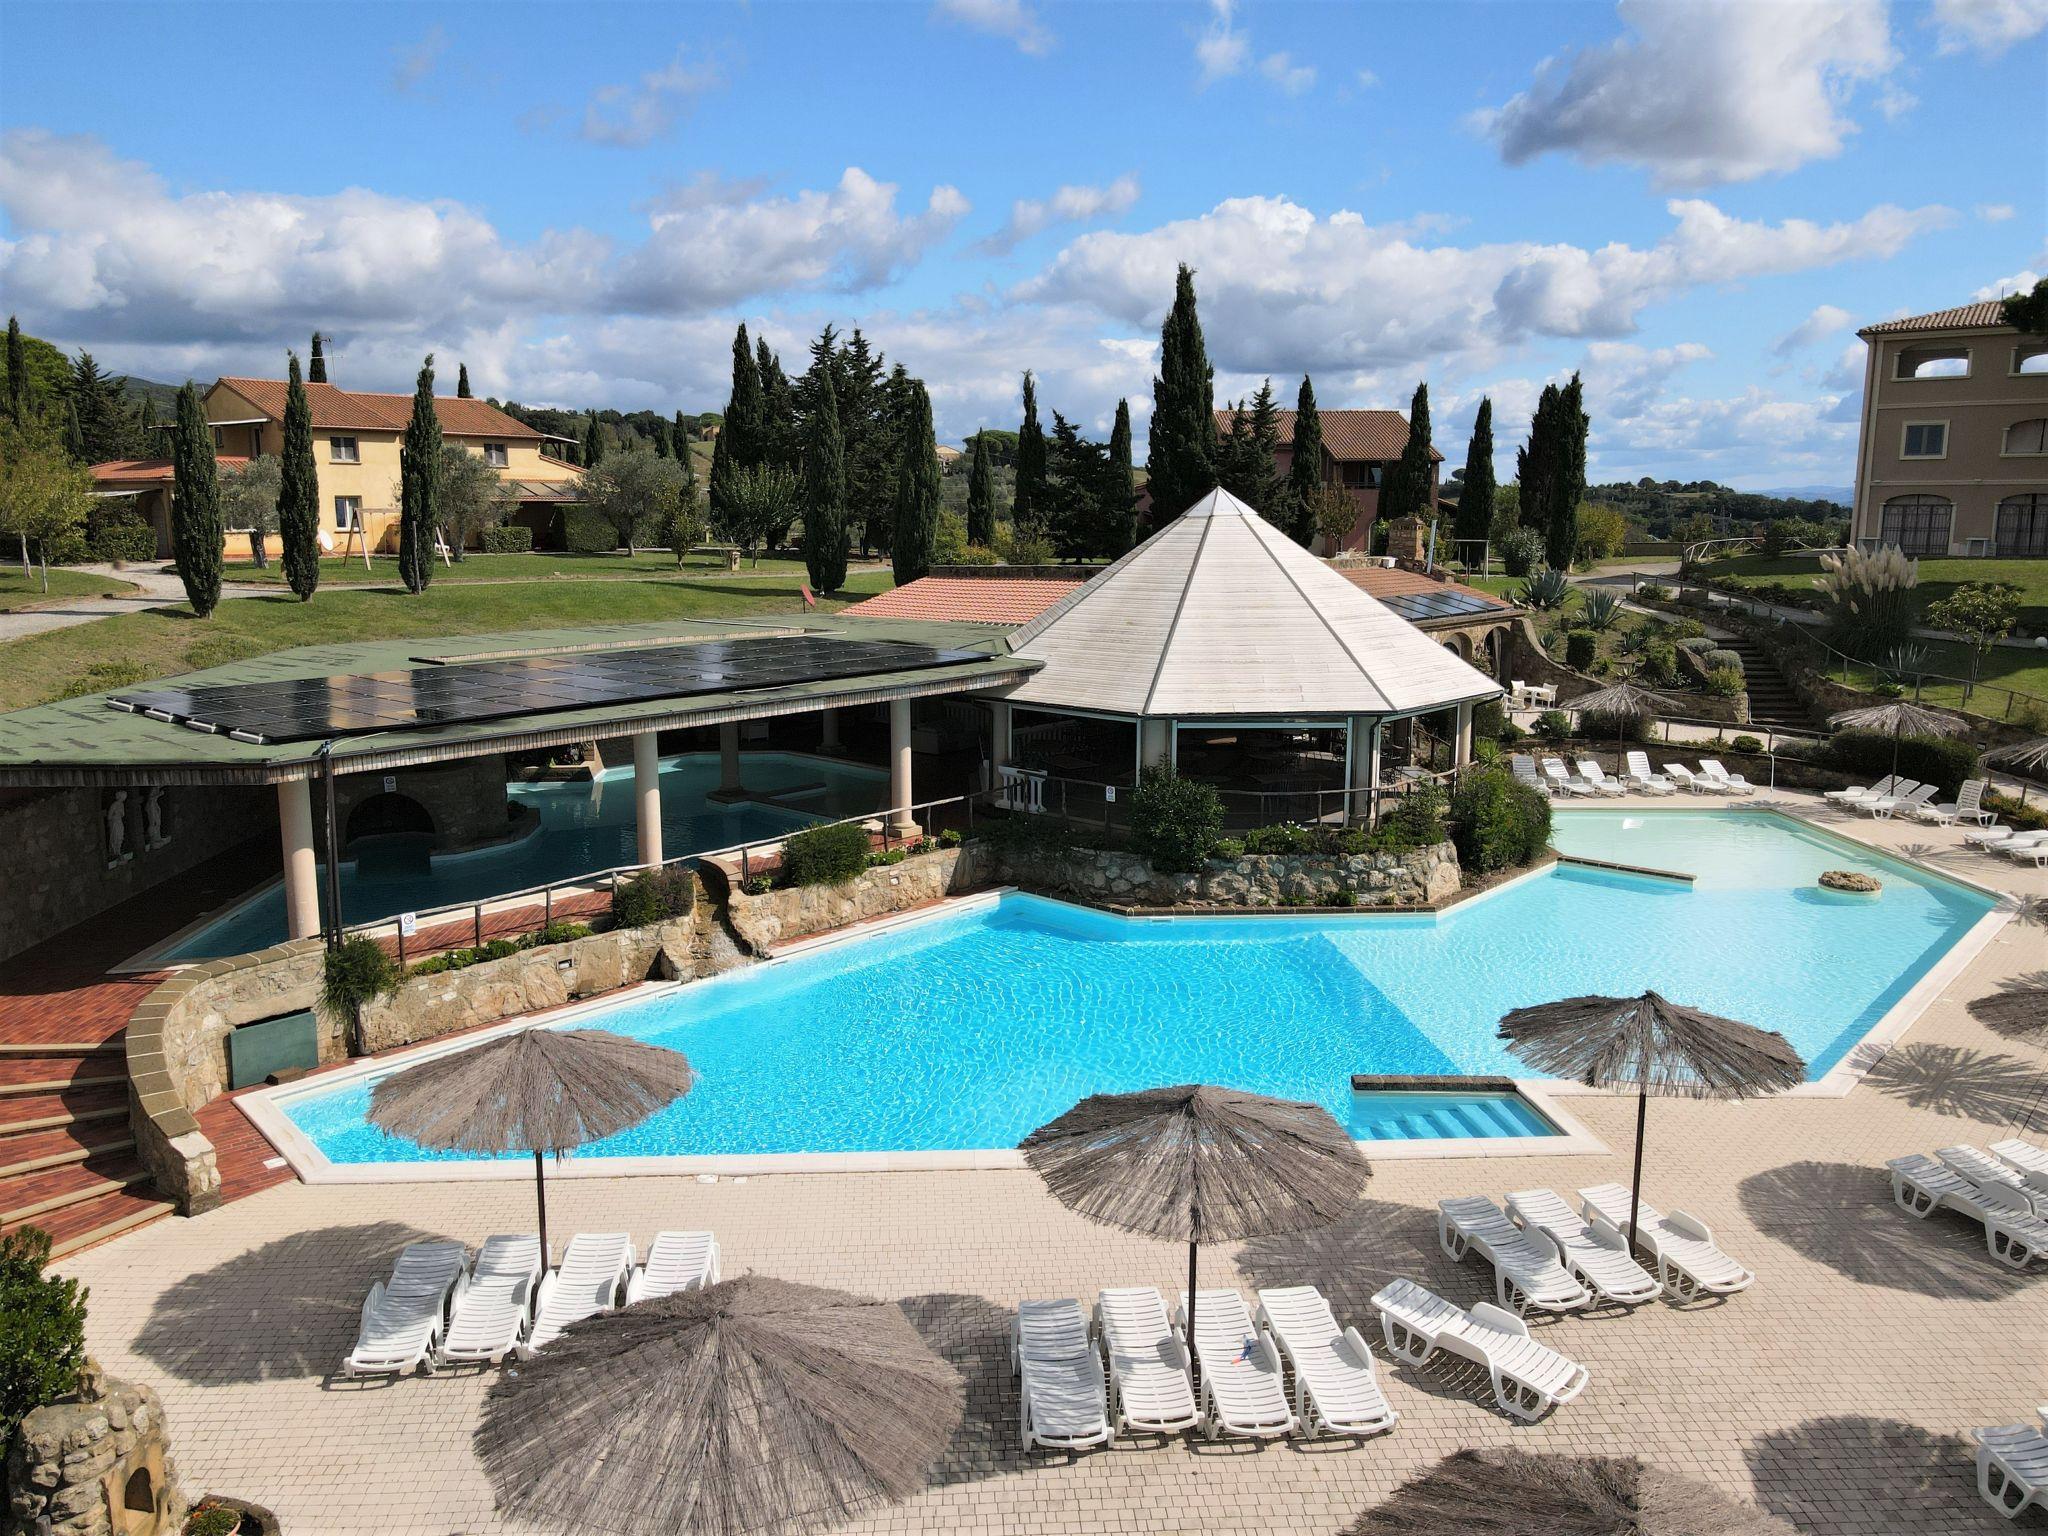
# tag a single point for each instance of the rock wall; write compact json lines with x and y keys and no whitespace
{"x":1421,"y":877}
{"x":465,"y":800}
{"x":58,"y":870}
{"x":781,"y":917}
{"x":97,"y":1463}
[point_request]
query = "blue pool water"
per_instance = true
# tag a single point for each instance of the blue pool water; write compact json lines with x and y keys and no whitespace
{"x":968,"y":1030}
{"x":584,"y":826}
{"x":1420,"y":1115}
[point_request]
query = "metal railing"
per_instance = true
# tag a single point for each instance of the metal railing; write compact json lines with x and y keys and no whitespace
{"x":1097,"y":803}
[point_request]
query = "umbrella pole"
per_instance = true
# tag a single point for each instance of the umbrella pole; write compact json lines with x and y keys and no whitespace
{"x":1635,"y":1188}
{"x":540,"y":1192}
{"x":1190,"y":1342}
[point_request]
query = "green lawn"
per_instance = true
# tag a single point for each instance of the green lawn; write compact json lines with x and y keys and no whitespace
{"x":542,"y":565}
{"x":131,"y":647}
{"x":2024,"y":670}
{"x":18,"y":591}
{"x":1938,"y":578}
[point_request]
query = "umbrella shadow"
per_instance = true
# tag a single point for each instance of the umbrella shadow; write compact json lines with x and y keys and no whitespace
{"x":1843,"y":1215}
{"x":2017,"y":1010}
{"x":1958,"y":1080}
{"x":1354,"y":1256}
{"x":287,"y":1309}
{"x":972,"y":1334}
{"x":1922,"y":1480}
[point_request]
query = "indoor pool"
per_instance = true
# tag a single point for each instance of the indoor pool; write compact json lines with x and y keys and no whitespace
{"x":969,"y":1029}
{"x":584,"y":825}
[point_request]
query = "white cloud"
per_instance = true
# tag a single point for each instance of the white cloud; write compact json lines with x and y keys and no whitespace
{"x":1069,"y":205}
{"x":1220,"y":49}
{"x":1825,"y":320}
{"x":1989,"y":27}
{"x":412,"y":65}
{"x":1366,"y":79}
{"x":1847,"y":372}
{"x":1704,"y":91}
{"x":1282,"y":288}
{"x":1623,"y":379}
{"x":2021,"y":281}
{"x":1010,"y":19}
{"x":1994,"y":213}
{"x":639,"y":112}
{"x":1283,"y":73}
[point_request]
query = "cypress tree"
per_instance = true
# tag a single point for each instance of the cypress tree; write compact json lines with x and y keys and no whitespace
{"x":1027,"y":501}
{"x":679,"y":435}
{"x":660,"y":438}
{"x":825,"y":490}
{"x":419,"y":484}
{"x":462,"y":382}
{"x":593,"y":441}
{"x":981,"y":496}
{"x":17,"y":371}
{"x":914,"y":538}
{"x":298,"y":491}
{"x":1122,"y":494}
{"x":316,"y":364}
{"x":1533,"y":464}
{"x":1305,"y":471}
{"x":196,"y":532}
{"x":1404,"y":488}
{"x":1182,"y":454}
{"x":736,"y":446}
{"x":775,"y":429}
{"x":1561,"y":540}
{"x":1475,"y":500}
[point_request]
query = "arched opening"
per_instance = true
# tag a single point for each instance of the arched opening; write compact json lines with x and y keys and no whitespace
{"x":2023,"y":524}
{"x":1918,"y":525}
{"x":387,"y":815}
{"x":391,"y":837}
{"x":139,"y":1494}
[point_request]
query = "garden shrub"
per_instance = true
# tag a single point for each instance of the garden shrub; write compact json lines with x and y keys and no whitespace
{"x":825,"y":855}
{"x":1509,"y":733}
{"x":506,"y":541}
{"x":1488,"y":717}
{"x":1724,"y":682}
{"x":1717,"y":658}
{"x":1417,"y":821}
{"x":559,"y":933}
{"x":758,"y":885}
{"x":1497,"y":821}
{"x":354,"y":974}
{"x":950,"y":838}
{"x":1746,"y":744}
{"x":1284,"y":838}
{"x":42,"y":1329}
{"x":1554,"y":725}
{"x":653,"y":896}
{"x":1659,"y":666}
{"x":1581,"y":646}
{"x":1228,"y":849}
{"x":2031,"y":817}
{"x":879,"y":858}
{"x":1030,"y":835}
{"x":127,"y":539}
{"x":1654,"y":592}
{"x":1174,"y":821}
{"x":585,"y":533}
{"x":1522,"y":551}
{"x":1697,"y":644}
{"x":1598,"y":727}
{"x":1942,"y":761}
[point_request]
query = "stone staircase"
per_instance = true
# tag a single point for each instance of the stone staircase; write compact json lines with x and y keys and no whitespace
{"x":67,"y":1156}
{"x":1772,"y":702}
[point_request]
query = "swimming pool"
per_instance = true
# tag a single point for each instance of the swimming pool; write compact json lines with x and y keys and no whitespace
{"x":965,"y":1031}
{"x":583,"y":826}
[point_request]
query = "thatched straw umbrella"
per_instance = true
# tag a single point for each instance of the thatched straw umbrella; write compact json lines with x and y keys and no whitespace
{"x":538,"y":1091}
{"x":1900,"y":718}
{"x":1625,"y":702}
{"x":1520,"y":1493}
{"x":1656,"y":1046}
{"x":755,"y":1405}
{"x":2025,"y":758}
{"x":1194,"y":1164}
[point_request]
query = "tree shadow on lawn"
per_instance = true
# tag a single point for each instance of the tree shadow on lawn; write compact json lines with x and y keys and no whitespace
{"x":287,"y":1309}
{"x":1956,"y":1080}
{"x":1850,"y":1475}
{"x":1843,"y":1215}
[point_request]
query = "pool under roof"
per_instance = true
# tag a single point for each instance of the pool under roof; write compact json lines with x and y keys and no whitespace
{"x":398,"y":703}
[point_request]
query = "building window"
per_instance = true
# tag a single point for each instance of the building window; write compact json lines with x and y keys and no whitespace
{"x":494,"y":455}
{"x":2023,"y":524}
{"x":1918,"y":525}
{"x":348,"y":512}
{"x":343,"y":450}
{"x":2027,"y":436}
{"x":1934,"y":363}
{"x":1359,"y":474}
{"x":1924,"y":440}
{"x":217,"y":440}
{"x":2030,"y":357}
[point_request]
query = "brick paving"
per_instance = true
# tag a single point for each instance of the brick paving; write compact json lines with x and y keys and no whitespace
{"x":1839,"y":1392}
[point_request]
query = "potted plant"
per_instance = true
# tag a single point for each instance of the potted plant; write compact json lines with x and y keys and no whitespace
{"x":212,"y":1517}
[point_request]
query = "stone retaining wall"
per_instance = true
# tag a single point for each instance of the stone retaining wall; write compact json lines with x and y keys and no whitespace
{"x":783,"y":916}
{"x":1418,"y":878}
{"x":95,"y":1463}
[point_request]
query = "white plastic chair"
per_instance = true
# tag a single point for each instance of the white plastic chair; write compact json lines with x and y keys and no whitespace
{"x":1596,"y":776}
{"x":1243,"y":1384}
{"x":1336,"y":1384}
{"x":405,"y":1314}
{"x":2024,"y":1158}
{"x":1888,"y":806}
{"x":2012,"y":1464}
{"x":1064,"y":1405}
{"x":2013,"y":1234}
{"x":491,"y":1315}
{"x":1529,"y":1379}
{"x":1641,"y":776}
{"x":1984,"y":1170}
{"x":1561,"y":781}
{"x":1733,"y":783}
{"x":1595,"y":1252}
{"x":677,"y":1261}
{"x":1698,"y":783}
{"x":1883,"y":786}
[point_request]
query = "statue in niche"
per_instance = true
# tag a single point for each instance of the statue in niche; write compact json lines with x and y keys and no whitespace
{"x":153,"y":818}
{"x":117,"y":827}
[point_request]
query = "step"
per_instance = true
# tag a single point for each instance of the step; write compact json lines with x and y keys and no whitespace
{"x":39,"y":1150}
{"x":112,"y":1047}
{"x":99,"y":1218}
{"x":54,"y":1189}
{"x":21,"y":1113}
{"x":55,"y":1074}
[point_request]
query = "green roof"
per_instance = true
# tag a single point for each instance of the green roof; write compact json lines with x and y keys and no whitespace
{"x":86,"y":741}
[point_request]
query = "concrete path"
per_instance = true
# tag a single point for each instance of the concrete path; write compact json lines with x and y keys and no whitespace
{"x":155,"y":587}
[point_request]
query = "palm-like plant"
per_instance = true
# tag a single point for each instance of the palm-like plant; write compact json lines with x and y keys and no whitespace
{"x":1544,"y":590}
{"x":1598,"y":608}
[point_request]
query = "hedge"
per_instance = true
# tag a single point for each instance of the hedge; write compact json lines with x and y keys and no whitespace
{"x":122,"y":539}
{"x":585,"y":533}
{"x":652,"y":896}
{"x":1941,"y":761}
{"x":1175,"y":822}
{"x":506,"y":541}
{"x":1498,"y":822}
{"x":825,"y":855}
{"x":1581,"y":649}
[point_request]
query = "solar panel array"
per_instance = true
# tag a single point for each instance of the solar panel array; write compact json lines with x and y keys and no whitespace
{"x":1417,"y":606}
{"x":315,"y":708}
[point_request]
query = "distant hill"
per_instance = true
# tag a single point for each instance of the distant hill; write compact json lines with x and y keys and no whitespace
{"x":1841,"y":495}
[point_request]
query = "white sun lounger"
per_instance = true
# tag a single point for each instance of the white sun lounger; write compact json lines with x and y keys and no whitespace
{"x":1561,"y":781}
{"x":1527,"y":1271}
{"x":1888,"y":806}
{"x":1063,"y":1403}
{"x":2012,"y":1464}
{"x":2024,"y":1158}
{"x":1689,"y":1262}
{"x":1983,"y":1170}
{"x":1523,"y":766}
{"x":1150,"y":1391}
{"x":1641,"y":776}
{"x":1593,"y":1251}
{"x":1733,"y":783}
{"x":2013,"y":1234}
{"x":592,"y":1273}
{"x":1968,"y":805}
{"x":1244,"y":1385}
{"x":1698,"y":783}
{"x":1889,"y":784}
{"x":1596,"y":776}
{"x":2023,"y":852}
{"x":1529,"y":1379}
{"x":493,"y":1310}
{"x":1336,"y":1385}
{"x":404,"y":1315}
{"x":677,"y":1261}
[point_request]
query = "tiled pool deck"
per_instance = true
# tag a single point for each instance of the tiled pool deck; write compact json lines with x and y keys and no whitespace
{"x":1838,"y":1392}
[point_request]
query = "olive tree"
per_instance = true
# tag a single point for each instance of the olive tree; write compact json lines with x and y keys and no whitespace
{"x":632,"y":491}
{"x":249,"y":495}
{"x":473,"y":497}
{"x":43,"y":493}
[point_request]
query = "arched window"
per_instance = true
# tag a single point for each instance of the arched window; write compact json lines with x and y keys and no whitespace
{"x":2030,"y":436}
{"x":2023,"y":524}
{"x":1919,"y":525}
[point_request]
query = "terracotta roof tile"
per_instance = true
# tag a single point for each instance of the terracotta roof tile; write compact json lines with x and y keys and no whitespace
{"x":1348,"y":435}
{"x":966,"y":599}
{"x":1962,"y":317}
{"x":152,"y":469}
{"x":337,"y":409}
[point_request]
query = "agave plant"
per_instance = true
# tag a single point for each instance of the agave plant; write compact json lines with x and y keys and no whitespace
{"x":1598,"y":608}
{"x":1544,"y":590}
{"x":1633,"y":638}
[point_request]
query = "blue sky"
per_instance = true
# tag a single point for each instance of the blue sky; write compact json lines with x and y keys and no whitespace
{"x":1695,"y":204}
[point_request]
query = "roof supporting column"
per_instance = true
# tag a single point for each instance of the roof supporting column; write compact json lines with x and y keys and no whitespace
{"x":647,"y":796}
{"x":301,"y":868}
